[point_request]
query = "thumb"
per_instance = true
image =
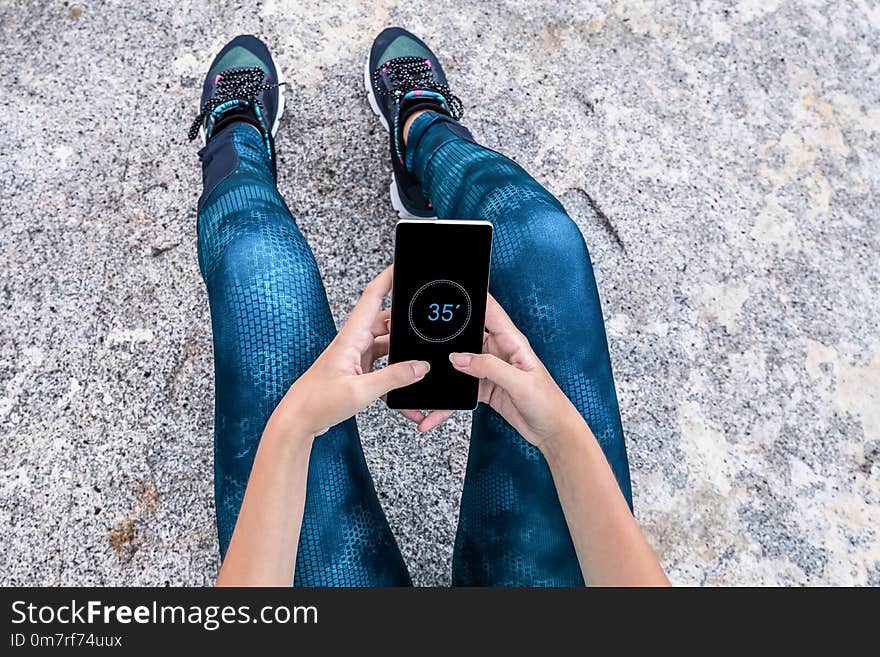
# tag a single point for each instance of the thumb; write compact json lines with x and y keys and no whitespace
{"x":375,"y":384}
{"x":488,"y":366}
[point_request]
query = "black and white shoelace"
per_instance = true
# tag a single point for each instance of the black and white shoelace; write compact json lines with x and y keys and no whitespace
{"x":414,"y":73}
{"x":234,"y":87}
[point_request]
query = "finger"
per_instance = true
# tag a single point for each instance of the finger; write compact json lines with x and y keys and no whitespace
{"x":380,"y":347}
{"x":486,"y":389}
{"x":487,"y":366}
{"x":434,"y":419}
{"x":507,"y":341}
{"x":382,"y":323}
{"x":370,"y":303}
{"x":491,"y":346}
{"x":497,"y":320}
{"x":375,"y":384}
{"x":514,"y":349}
{"x":415,"y":416}
{"x":377,"y":349}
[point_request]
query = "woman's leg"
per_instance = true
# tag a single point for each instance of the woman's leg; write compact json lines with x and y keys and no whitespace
{"x":271,"y":319}
{"x":511,"y":527}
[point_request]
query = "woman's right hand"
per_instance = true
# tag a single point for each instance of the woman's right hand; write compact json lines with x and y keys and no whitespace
{"x":515,"y":383}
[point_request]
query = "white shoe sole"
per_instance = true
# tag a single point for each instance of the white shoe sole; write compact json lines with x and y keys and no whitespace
{"x":277,"y":114}
{"x":396,"y":201}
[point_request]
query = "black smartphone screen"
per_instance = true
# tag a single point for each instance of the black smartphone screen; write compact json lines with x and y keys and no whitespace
{"x":438,"y":306}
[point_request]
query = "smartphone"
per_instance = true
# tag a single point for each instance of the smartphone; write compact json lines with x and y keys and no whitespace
{"x":438,"y":306}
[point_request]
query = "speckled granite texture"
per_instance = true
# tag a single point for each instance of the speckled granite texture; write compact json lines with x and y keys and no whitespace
{"x":721,"y":160}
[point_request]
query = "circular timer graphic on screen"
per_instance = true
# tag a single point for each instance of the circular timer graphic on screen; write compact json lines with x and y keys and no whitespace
{"x":439,"y":310}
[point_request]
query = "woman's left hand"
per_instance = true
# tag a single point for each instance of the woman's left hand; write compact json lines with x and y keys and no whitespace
{"x":341,"y":381}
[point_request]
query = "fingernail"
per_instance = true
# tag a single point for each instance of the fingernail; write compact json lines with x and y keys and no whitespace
{"x":420,"y":368}
{"x":387,"y":323}
{"x":460,"y":360}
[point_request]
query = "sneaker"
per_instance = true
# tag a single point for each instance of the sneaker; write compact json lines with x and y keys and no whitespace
{"x":243,"y":85}
{"x":401,"y":76}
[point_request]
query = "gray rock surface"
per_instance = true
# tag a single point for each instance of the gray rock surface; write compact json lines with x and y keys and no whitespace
{"x":721,"y":160}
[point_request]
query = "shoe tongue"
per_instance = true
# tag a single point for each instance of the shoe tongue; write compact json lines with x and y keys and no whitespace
{"x":237,"y":86}
{"x":237,"y":115}
{"x":418,"y":100}
{"x":407,"y":109}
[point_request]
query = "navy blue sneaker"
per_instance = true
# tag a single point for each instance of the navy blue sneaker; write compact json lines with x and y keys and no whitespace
{"x":243,"y":85}
{"x":403,"y":76}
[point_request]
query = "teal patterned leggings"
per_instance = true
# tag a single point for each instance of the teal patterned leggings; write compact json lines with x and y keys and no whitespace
{"x":271,"y":319}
